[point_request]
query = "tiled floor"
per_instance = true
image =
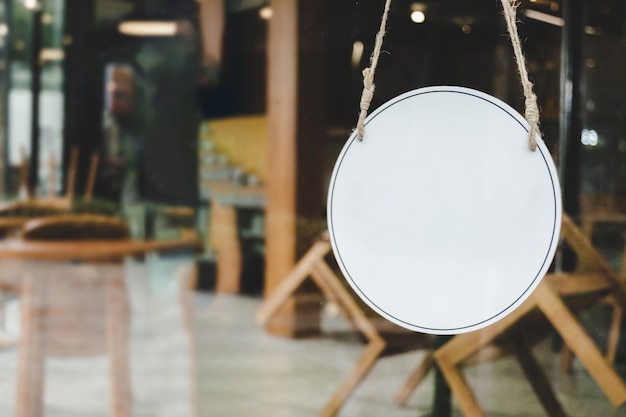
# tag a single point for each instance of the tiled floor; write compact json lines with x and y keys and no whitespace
{"x":242,"y":371}
{"x":246,"y":372}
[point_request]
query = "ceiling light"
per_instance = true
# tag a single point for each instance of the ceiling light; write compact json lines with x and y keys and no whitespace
{"x":47,"y":19}
{"x":591,"y":30}
{"x":418,"y":12}
{"x":50,"y":54}
{"x":357,"y":53}
{"x":266,"y":13}
{"x":589,"y":137}
{"x":418,"y":16}
{"x":31,"y":4}
{"x":148,"y":28}
{"x":544,"y":17}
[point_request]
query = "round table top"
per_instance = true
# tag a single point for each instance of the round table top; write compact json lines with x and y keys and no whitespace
{"x":90,"y":250}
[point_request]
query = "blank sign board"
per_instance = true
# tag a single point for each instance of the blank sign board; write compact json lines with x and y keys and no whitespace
{"x":442,"y":219}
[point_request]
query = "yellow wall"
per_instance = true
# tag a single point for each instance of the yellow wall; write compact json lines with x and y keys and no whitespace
{"x":243,"y":140}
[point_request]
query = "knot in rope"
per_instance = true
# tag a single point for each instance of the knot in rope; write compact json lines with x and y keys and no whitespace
{"x":532,"y":110}
{"x":532,"y":116}
{"x":368,"y":73}
{"x":366,"y":99}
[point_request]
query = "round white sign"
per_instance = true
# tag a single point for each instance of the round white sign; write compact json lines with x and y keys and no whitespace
{"x":442,"y":219}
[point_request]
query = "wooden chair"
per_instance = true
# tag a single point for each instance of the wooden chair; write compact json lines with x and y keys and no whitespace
{"x":554,"y":304}
{"x":65,"y":201}
{"x":14,"y":214}
{"x":614,"y":329}
{"x":52,"y":200}
{"x":76,"y":227}
{"x":597,"y":209}
{"x":71,"y":309}
{"x":381,"y":336}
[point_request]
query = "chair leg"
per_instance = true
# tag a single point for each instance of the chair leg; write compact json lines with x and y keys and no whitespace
{"x":367,"y":360}
{"x":292,"y":281}
{"x":30,"y":384}
{"x":577,"y":339}
{"x":537,"y":379}
{"x":614,"y":331}
{"x":118,"y":346}
{"x":312,"y":264}
{"x":460,"y":389}
{"x":612,"y":342}
{"x":566,"y":360}
{"x":416,"y":377}
{"x":453,"y":353}
{"x":326,"y":279}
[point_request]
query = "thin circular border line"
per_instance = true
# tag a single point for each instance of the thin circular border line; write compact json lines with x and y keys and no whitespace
{"x":335,"y":246}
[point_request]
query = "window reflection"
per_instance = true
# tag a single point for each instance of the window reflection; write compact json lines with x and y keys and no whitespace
{"x":162,"y":113}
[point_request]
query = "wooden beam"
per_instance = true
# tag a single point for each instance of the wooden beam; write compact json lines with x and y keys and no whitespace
{"x":282,"y":104}
{"x":295,"y":109}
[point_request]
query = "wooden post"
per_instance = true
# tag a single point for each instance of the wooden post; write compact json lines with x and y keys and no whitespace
{"x":295,"y":137}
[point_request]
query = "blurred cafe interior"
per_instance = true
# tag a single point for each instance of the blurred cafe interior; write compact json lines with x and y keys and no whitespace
{"x":164,"y":166}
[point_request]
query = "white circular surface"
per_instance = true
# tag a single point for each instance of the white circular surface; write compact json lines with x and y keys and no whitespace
{"x":442,"y":219}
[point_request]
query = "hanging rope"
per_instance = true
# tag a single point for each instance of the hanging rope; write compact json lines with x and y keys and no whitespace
{"x":510,"y":12}
{"x":368,"y":74}
{"x":532,"y":109}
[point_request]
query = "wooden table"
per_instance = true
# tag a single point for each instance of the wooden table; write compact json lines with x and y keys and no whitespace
{"x":37,"y":281}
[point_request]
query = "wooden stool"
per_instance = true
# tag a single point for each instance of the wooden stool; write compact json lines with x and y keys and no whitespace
{"x":379,"y":333}
{"x":554,"y":304}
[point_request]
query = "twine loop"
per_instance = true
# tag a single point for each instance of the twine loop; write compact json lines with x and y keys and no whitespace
{"x":368,"y":74}
{"x":532,"y":109}
{"x":510,"y":11}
